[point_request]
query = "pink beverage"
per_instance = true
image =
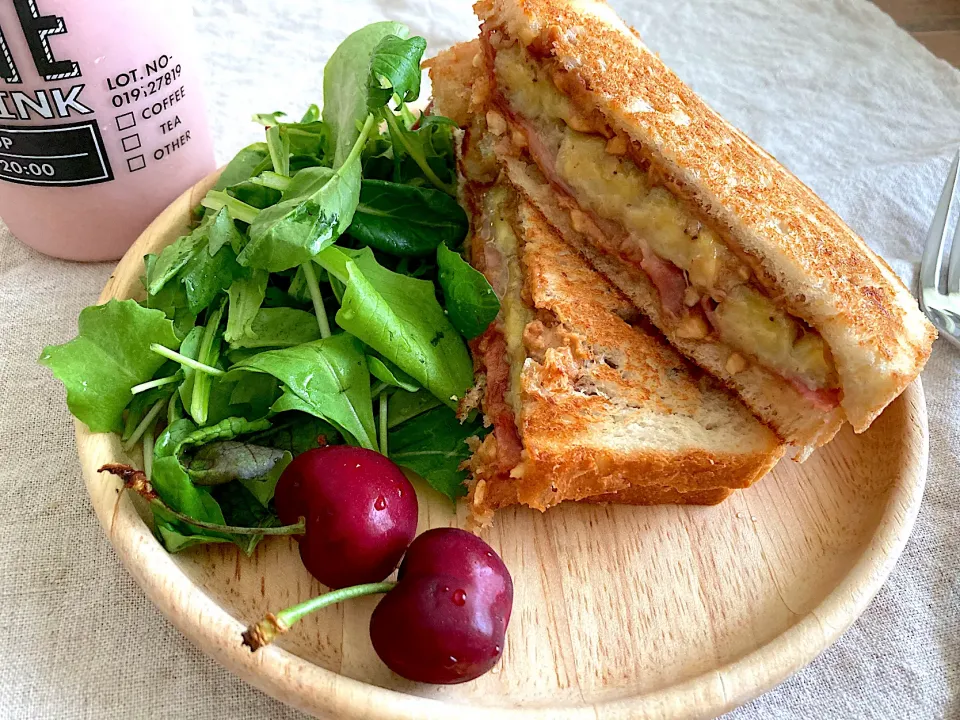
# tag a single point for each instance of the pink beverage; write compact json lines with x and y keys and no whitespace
{"x":102,"y":121}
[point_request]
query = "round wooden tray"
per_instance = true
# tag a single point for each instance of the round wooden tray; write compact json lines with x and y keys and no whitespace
{"x":662,"y":612}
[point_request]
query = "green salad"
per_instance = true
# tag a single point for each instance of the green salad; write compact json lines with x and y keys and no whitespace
{"x":320,"y":298}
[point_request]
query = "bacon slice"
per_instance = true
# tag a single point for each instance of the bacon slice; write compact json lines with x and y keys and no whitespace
{"x":491,"y":348}
{"x":669,"y":281}
{"x":824,"y":399}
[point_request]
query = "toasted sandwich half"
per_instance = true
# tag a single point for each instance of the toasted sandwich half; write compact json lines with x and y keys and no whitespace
{"x":742,"y":268}
{"x":587,"y":403}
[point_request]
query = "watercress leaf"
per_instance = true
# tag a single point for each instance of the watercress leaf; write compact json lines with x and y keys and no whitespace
{"x":246,"y":296}
{"x":169,"y":441}
{"x":264,"y":487}
{"x":243,"y":165}
{"x":245,"y":395}
{"x":385,"y":371}
{"x":299,"y":162}
{"x":345,"y":84}
{"x":405,"y":405}
{"x":329,"y":377}
{"x":172,"y":301}
{"x":108,"y":357}
{"x":307,"y":140}
{"x":173,"y":486}
{"x":243,"y":509}
{"x":279,"y":146}
{"x":174,"y":539}
{"x":433,"y":445}
{"x":223,"y":231}
{"x":337,"y":288}
{"x":227,"y":429}
{"x":205,"y":276}
{"x":173,"y":258}
{"x":424,"y":155}
{"x":253,"y":388}
{"x":222,"y":462}
{"x":400,"y":318}
{"x":140,"y":406}
{"x":269,"y":119}
{"x":395,"y":68}
{"x":471,"y":302}
{"x":276,"y":297}
{"x":254,"y":194}
{"x":175,"y":408}
{"x":190,"y":348}
{"x":279,"y":328}
{"x":377,"y":157}
{"x":297,"y":432}
{"x":316,"y":208}
{"x":208,"y":353}
{"x":405,"y":220}
{"x":299,"y":289}
{"x":311,"y":115}
{"x":289,"y":400}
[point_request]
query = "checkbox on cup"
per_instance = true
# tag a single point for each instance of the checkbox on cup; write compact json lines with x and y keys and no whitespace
{"x":137,"y":162}
{"x":131,"y":142}
{"x":126,"y":121}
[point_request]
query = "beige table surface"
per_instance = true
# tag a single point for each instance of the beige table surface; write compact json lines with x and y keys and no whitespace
{"x":852,"y":104}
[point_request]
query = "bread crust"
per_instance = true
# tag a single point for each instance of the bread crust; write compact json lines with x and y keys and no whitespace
{"x":802,"y":251}
{"x":500,"y":492}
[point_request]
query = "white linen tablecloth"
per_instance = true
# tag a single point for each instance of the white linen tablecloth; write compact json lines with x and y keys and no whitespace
{"x":850,"y":103}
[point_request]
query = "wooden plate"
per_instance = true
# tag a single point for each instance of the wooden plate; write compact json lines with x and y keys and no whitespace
{"x":663,"y":612}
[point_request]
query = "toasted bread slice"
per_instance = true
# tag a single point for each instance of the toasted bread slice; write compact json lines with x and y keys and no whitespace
{"x":770,"y":398}
{"x":586,"y":405}
{"x":858,"y":337}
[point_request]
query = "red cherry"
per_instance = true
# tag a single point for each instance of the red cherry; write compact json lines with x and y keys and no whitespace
{"x":455,"y":552}
{"x":446,"y":620}
{"x":361,"y":513}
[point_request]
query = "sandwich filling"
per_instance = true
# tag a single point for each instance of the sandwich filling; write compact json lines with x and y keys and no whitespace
{"x":708,"y":291}
{"x":500,"y":350}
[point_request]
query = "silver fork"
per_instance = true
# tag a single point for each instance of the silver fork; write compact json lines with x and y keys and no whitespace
{"x":943,"y":309}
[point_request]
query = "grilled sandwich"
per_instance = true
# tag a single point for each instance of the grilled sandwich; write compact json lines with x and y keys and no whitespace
{"x":586,"y":401}
{"x":743,"y":268}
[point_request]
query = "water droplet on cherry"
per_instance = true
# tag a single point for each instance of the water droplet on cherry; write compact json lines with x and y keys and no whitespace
{"x":460,"y":597}
{"x":381,"y":503}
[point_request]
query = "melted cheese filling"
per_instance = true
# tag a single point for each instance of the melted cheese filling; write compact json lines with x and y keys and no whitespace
{"x":612,"y":186}
{"x":514,"y":312}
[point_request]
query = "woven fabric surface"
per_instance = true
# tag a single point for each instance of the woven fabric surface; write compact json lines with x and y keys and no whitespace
{"x":851,"y":104}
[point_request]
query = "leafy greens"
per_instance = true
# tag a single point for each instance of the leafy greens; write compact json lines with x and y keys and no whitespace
{"x":321,"y":277}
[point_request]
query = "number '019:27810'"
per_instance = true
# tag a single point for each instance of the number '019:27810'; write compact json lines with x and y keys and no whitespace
{"x":147,"y":89}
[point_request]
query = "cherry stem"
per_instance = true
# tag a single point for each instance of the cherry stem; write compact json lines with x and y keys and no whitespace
{"x":138,"y":481}
{"x":267,"y":630}
{"x":298,"y":528}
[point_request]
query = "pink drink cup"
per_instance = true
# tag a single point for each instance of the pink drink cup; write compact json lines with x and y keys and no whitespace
{"x":102,"y":121}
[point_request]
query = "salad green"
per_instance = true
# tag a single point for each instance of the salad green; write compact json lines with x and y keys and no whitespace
{"x":319,"y":298}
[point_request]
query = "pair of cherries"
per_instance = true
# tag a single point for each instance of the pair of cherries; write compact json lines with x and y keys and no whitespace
{"x":445,"y":619}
